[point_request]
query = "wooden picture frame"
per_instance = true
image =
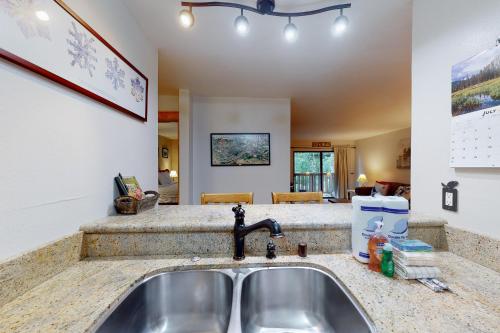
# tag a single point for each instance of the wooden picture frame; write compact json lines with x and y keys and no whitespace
{"x":56,"y":43}
{"x":240,"y":149}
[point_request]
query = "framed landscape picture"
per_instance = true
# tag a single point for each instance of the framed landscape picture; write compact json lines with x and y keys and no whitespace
{"x":240,"y":149}
{"x":48,"y":38}
{"x":404,"y":154}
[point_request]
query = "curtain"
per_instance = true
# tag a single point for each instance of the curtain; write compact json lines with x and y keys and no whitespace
{"x":341,"y":172}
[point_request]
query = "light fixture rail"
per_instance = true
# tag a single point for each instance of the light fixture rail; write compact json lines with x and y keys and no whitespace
{"x":265,"y":7}
{"x":264,"y":10}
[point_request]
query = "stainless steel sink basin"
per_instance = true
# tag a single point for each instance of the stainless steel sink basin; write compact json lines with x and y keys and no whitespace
{"x":182,"y":302}
{"x":248,"y":300}
{"x":287,"y":300}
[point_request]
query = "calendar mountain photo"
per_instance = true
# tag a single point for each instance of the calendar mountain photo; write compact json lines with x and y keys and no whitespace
{"x":476,"y":83}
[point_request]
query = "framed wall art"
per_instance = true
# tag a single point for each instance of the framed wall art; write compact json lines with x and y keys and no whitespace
{"x":48,"y":38}
{"x":164,"y":152}
{"x":404,"y":154}
{"x":240,"y":149}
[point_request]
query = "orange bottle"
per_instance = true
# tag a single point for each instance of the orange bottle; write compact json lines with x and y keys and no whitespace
{"x":375,"y":246}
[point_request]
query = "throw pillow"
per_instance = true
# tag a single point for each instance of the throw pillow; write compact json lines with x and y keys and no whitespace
{"x":403,"y":191}
{"x":383,"y":189}
{"x":164,"y":178}
{"x":392,"y":186}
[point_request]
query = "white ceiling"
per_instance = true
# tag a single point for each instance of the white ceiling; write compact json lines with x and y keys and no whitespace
{"x":168,"y":130}
{"x":343,"y":88}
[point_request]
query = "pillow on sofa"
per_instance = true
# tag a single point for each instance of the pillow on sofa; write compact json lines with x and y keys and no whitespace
{"x":392,"y":186}
{"x":403,"y":191}
{"x":383,"y":189}
{"x":164,"y":178}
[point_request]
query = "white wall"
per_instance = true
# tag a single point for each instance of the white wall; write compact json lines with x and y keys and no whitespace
{"x":168,"y":103}
{"x":212,"y":115}
{"x":444,"y":33}
{"x":376,"y":157}
{"x":185,"y":147}
{"x":60,"y":150}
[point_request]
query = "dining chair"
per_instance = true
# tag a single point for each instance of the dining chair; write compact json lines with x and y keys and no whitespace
{"x":227,"y":198}
{"x":297,"y":197}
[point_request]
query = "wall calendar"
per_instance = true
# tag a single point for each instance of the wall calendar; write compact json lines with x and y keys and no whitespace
{"x":475,"y":111}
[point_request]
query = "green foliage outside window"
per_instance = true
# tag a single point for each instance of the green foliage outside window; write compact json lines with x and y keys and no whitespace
{"x":309,"y":162}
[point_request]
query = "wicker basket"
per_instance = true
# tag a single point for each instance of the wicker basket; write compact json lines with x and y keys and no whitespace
{"x":128,"y":205}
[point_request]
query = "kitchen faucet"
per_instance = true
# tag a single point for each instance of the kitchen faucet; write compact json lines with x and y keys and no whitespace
{"x":240,"y":231}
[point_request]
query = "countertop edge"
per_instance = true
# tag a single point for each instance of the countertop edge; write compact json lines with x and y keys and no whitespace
{"x":101,"y":228}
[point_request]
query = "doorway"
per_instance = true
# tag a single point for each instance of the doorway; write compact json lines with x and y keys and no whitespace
{"x":168,"y":158}
{"x":313,"y":171}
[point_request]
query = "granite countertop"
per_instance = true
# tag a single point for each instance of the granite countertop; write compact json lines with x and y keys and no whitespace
{"x":220,"y":218}
{"x":75,"y":299}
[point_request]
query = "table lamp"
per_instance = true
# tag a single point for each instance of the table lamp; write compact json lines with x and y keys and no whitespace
{"x":173,"y":174}
{"x":362,"y":180}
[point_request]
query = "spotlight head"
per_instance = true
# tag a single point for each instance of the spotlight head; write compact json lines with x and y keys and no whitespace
{"x":186,"y":18}
{"x":340,"y":24}
{"x":242,"y":26}
{"x":290,"y":32}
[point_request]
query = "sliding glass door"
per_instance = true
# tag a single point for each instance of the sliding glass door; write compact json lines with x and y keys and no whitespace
{"x":313,"y":172}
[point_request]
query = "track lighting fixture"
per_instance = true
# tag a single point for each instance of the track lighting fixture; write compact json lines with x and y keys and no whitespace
{"x":265,"y":7}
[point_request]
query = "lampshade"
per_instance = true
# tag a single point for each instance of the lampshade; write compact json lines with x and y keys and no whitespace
{"x":362,"y":178}
{"x":173,"y":174}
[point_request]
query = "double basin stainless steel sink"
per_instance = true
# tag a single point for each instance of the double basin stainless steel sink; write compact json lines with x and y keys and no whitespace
{"x":255,"y":300}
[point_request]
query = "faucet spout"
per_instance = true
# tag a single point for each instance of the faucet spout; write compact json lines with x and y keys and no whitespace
{"x":241,"y":230}
{"x":270,"y":224}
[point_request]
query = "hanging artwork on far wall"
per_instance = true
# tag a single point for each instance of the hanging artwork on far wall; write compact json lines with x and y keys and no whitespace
{"x":48,"y":38}
{"x":475,"y":111}
{"x":404,"y":154}
{"x":164,"y":152}
{"x":240,"y":149}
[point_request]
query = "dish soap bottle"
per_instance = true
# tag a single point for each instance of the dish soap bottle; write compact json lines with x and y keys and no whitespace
{"x":375,"y":245}
{"x":387,"y":264}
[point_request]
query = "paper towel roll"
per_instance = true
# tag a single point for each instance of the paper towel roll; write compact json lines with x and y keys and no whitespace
{"x":366,"y":211}
{"x":395,"y":217}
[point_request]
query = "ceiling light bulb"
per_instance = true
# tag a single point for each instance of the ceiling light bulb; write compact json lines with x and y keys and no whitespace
{"x":42,"y":15}
{"x":290,"y":32}
{"x":340,"y":24}
{"x":186,"y":18}
{"x":241,"y":24}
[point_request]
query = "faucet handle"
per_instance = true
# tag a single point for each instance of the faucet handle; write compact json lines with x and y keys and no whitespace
{"x":238,"y":211}
{"x":271,"y":250}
